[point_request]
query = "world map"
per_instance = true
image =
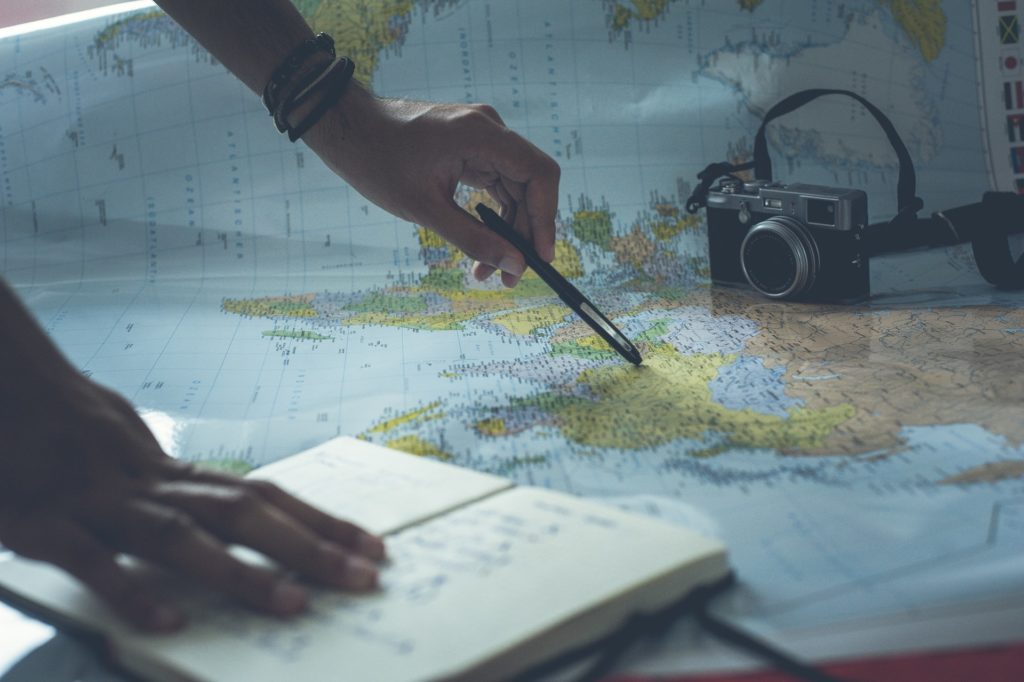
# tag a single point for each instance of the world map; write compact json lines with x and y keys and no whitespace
{"x":251,"y":305}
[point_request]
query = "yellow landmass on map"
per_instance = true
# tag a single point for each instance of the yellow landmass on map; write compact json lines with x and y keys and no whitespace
{"x":669,"y":226}
{"x":528,"y":320}
{"x":895,"y":368}
{"x":593,"y":342}
{"x":429,"y":239}
{"x":491,"y":426}
{"x":415,"y":445}
{"x":362,"y":29}
{"x":668,"y":398}
{"x":427,"y":413}
{"x":644,"y":10}
{"x":567,"y":261}
{"x":924,"y":22}
{"x":109,"y":35}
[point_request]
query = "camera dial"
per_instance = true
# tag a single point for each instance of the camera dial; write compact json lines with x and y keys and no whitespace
{"x":779,"y":257}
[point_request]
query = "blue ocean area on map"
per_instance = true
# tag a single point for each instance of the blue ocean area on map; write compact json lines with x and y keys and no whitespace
{"x":859,"y":461}
{"x":747,"y":383}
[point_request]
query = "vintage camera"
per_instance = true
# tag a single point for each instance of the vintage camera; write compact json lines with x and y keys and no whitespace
{"x":791,"y":241}
{"x":809,"y":242}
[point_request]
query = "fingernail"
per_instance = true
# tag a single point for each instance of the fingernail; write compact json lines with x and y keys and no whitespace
{"x":165,"y":618}
{"x":360,"y":574}
{"x":288,"y":598}
{"x":482,"y":272}
{"x":370,"y":546}
{"x":511,"y":265}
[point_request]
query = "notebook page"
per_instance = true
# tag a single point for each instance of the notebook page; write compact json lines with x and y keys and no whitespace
{"x":379,"y":489}
{"x":480,"y":592}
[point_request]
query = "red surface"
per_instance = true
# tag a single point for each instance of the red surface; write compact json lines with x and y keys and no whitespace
{"x":13,"y":12}
{"x":996,"y":664}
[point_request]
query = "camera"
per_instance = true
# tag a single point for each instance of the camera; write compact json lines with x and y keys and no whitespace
{"x":789,"y":241}
{"x":809,"y":242}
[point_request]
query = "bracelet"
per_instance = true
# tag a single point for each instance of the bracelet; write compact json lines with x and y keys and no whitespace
{"x":337,"y":79}
{"x":297,"y":95}
{"x":291,"y":63}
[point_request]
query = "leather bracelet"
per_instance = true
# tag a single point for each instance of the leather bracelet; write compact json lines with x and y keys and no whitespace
{"x":298,"y":94}
{"x":291,"y":63}
{"x":335,"y":81}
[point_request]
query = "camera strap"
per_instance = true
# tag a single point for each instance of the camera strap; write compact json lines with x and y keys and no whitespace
{"x":906,"y":186}
{"x":988,"y":225}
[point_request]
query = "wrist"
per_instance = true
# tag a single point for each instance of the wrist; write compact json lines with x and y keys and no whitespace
{"x":335,"y":136}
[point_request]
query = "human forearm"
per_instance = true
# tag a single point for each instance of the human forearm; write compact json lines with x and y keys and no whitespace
{"x":407,"y":157}
{"x":250,"y":37}
{"x":82,"y":480}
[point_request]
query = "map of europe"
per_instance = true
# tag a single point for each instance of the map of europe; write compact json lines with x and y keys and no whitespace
{"x":252,"y":305}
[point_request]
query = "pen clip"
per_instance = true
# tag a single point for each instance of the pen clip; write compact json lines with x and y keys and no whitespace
{"x":605,"y":324}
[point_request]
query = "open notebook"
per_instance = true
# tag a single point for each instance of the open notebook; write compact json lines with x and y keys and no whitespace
{"x":485,"y":579}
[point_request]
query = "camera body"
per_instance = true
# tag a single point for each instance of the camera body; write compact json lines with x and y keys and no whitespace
{"x":794,"y":241}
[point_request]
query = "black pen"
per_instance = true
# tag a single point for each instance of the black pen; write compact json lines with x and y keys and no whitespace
{"x":561,"y":286}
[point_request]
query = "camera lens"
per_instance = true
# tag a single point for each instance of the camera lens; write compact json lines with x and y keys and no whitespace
{"x":779,"y":257}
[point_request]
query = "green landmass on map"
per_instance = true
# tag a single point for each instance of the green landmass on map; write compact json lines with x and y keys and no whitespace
{"x":296,"y":334}
{"x":227,"y":465}
{"x":273,"y":307}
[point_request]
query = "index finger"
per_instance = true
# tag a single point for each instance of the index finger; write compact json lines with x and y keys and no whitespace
{"x":327,"y":526}
{"x":337,"y":530}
